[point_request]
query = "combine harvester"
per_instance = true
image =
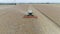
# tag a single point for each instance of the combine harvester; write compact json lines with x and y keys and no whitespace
{"x":29,"y":14}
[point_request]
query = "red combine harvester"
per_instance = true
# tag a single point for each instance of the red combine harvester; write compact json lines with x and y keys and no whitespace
{"x":29,"y":14}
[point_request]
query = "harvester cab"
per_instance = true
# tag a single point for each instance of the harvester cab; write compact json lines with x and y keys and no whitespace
{"x":29,"y":14}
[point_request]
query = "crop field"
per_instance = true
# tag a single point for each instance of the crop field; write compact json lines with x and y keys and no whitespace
{"x":47,"y":21}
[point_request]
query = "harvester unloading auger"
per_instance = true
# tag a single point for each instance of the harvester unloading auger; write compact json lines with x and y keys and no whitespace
{"x":29,"y":14}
